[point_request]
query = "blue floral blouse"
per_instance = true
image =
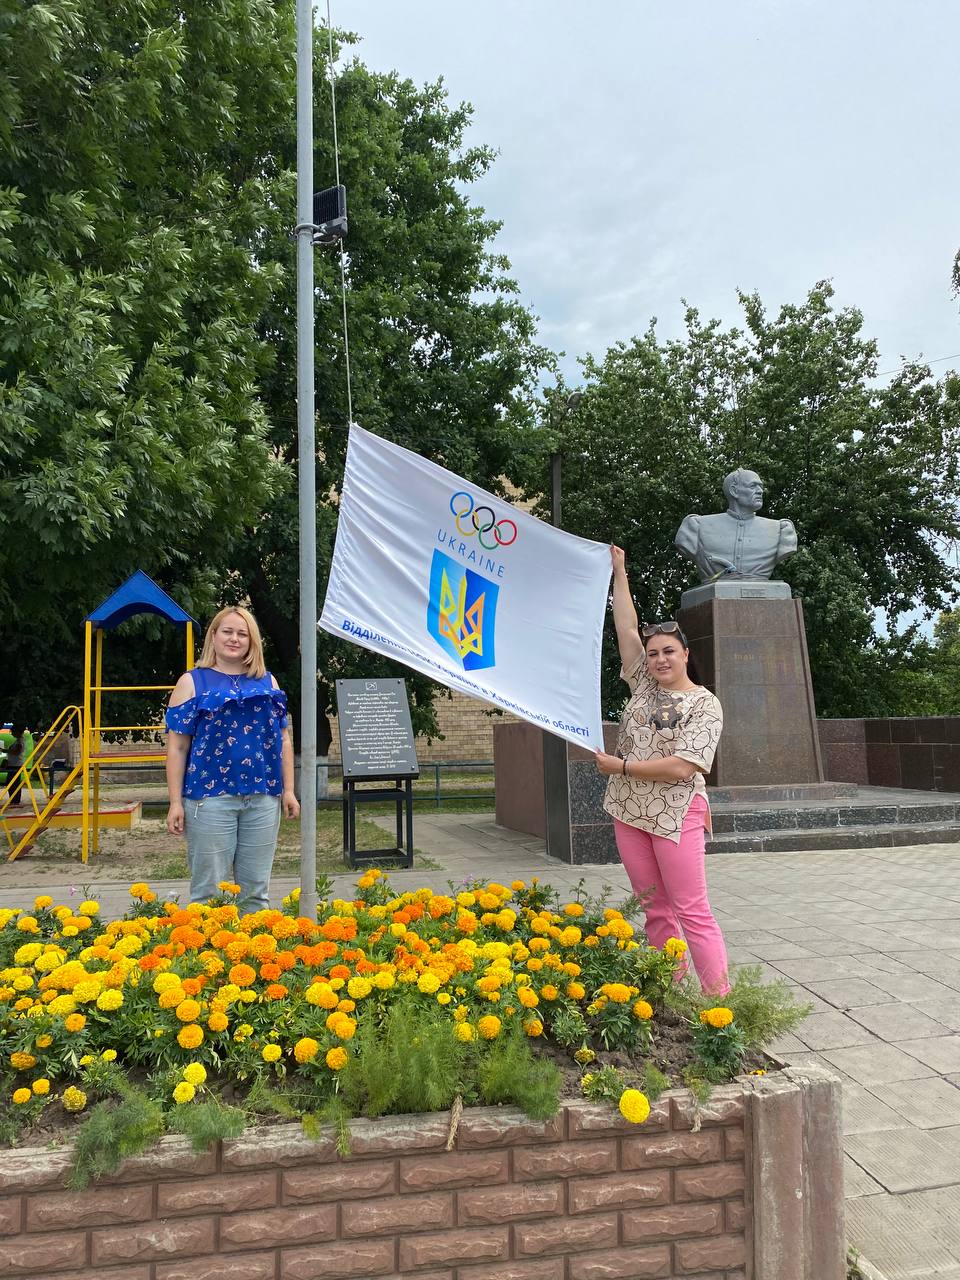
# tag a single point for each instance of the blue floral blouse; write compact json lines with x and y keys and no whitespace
{"x":236,"y":724}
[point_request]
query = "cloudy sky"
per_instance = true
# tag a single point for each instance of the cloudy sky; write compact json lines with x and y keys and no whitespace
{"x":654,"y":152}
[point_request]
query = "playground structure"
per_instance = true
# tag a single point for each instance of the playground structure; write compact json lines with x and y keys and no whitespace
{"x":139,"y":594}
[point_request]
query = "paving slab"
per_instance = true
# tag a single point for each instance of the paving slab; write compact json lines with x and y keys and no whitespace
{"x":877,"y":1063}
{"x":857,"y":1182}
{"x":895,"y":1022}
{"x":940,"y":1052}
{"x":906,"y":1159}
{"x":849,"y":993}
{"x":914,"y":986}
{"x":931,"y":1103}
{"x":833,"y":1031}
{"x":817,"y":968}
{"x":896,"y":1234}
{"x":863,"y":1111}
{"x":946,"y":1012}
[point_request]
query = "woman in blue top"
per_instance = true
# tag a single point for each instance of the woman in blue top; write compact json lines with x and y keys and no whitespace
{"x":230,"y":762}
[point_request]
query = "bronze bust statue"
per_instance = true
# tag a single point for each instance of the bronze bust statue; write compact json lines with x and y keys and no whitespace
{"x":737,"y":543}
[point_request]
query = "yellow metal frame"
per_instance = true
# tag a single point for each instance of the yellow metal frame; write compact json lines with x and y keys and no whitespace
{"x":92,"y":756}
{"x":42,"y":800}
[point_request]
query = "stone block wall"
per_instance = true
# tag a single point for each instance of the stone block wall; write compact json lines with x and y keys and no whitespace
{"x":919,"y":753}
{"x":583,"y":1196}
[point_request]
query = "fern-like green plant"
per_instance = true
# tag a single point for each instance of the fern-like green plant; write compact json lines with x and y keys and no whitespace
{"x":763,"y":1011}
{"x":112,"y":1132}
{"x":509,"y":1072}
{"x":208,"y":1122}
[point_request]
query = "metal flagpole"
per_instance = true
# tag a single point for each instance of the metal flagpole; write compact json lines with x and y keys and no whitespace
{"x":306,"y":435}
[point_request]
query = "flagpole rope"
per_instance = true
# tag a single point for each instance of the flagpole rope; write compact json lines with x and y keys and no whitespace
{"x":343,"y":268}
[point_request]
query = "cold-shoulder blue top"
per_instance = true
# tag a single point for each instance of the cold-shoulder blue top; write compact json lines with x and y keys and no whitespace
{"x":236,"y":724}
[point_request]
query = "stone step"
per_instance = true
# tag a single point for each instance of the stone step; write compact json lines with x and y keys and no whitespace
{"x":764,"y":820}
{"x":868,"y":836}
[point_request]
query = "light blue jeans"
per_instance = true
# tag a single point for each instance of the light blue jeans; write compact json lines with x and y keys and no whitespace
{"x":232,"y":838}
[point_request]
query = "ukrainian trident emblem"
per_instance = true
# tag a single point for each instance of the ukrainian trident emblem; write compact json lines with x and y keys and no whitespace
{"x":462,"y":612}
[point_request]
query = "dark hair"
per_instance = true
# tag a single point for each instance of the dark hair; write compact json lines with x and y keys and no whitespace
{"x":692,"y":671}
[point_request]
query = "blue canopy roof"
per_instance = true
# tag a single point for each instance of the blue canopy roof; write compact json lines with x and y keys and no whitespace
{"x":139,"y":594}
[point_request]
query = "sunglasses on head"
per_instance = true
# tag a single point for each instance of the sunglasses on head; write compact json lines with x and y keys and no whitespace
{"x":667,"y":628}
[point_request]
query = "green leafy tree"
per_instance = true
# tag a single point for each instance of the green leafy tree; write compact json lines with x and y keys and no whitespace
{"x":139,"y":176}
{"x":869,"y":475}
{"x":443,"y":355}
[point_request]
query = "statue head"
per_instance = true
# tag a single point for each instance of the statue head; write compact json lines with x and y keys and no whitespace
{"x":743,"y":491}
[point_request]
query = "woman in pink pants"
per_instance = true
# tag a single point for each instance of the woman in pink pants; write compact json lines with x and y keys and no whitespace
{"x":656,"y":793}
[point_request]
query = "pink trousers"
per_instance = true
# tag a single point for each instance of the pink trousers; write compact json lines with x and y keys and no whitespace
{"x":671,"y":880}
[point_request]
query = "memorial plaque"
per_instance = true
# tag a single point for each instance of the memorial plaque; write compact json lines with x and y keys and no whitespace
{"x":376,"y":736}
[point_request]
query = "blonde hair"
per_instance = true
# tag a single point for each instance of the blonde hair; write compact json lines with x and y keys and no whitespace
{"x":253,"y":662}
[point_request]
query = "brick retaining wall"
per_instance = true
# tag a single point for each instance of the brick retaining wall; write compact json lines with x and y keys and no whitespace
{"x":583,"y":1196}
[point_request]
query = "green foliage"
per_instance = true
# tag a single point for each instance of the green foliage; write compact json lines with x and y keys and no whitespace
{"x":207,"y":1122}
{"x":654,"y":1081}
{"x":407,"y":1064}
{"x":568,"y":1025}
{"x":762,"y":1011}
{"x":606,"y":1084}
{"x":720,"y":1050}
{"x":868,"y":474}
{"x":654,"y":973}
{"x":510,"y":1073}
{"x":113,"y":1131}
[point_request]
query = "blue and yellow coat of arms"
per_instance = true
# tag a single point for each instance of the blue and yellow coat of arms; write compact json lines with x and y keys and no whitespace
{"x":462,"y":612}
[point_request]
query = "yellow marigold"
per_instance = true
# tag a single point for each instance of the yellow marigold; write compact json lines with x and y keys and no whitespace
{"x":336,"y":1058}
{"x":166,"y":982}
{"x":184,"y":1092}
{"x":675,"y":947}
{"x":573,"y":909}
{"x":383,"y":980}
{"x":188,"y":1010}
{"x":271,"y":1053}
{"x":73,"y":1099}
{"x":110,"y":1000}
{"x":517,"y":885}
{"x":489,"y":1026}
{"x":345,"y":1028}
{"x":634,"y":1106}
{"x":139,"y":889}
{"x":109,"y":1055}
{"x":620,"y":929}
{"x":27,"y":924}
{"x":87,"y":990}
{"x":717,"y":1017}
{"x":228,"y":886}
{"x":534,"y":1028}
{"x":576,"y":990}
{"x":42,"y":902}
{"x":617,"y":992}
{"x":190,"y":1036}
{"x":89,"y":908}
{"x":306,"y":1049}
{"x":28,"y":953}
{"x":428,"y":983}
{"x":62,"y":1005}
{"x":549,"y":992}
{"x":195,"y":1073}
{"x":584,"y":1055}
{"x":463,"y":1031}
{"x":218,"y":1021}
{"x":21,"y":1061}
{"x":41,"y":1086}
{"x":359,"y":987}
{"x":322,"y":994}
{"x":537,"y":945}
{"x":642,"y":1010}
{"x":527,"y":997}
{"x":44,"y":1042}
{"x":20,"y":1096}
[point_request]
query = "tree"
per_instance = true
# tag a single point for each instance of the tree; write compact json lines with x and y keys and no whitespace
{"x":139,"y":178}
{"x":869,"y":475}
{"x":443,"y":355}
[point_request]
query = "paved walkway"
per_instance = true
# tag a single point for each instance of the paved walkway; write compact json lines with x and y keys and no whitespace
{"x":871,"y":938}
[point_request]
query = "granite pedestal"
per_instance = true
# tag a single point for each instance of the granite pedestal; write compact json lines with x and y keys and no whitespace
{"x":752,"y":652}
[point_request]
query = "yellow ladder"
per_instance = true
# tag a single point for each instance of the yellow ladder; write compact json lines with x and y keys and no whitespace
{"x":30,"y":778}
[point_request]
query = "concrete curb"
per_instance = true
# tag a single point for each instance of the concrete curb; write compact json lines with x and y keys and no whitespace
{"x":867,"y":1269}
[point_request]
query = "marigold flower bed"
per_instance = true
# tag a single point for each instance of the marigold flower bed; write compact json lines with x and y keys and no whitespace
{"x":445,"y":990}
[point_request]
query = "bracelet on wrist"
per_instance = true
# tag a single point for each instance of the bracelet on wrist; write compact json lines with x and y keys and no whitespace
{"x":625,"y":767}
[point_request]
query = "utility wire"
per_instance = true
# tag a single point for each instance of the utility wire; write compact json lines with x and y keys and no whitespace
{"x":919,"y":360}
{"x":343,"y":268}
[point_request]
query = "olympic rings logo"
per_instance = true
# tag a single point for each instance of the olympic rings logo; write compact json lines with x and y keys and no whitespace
{"x":482,"y":522}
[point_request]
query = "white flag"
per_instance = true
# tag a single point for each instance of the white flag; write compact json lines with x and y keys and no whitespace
{"x":458,"y":584}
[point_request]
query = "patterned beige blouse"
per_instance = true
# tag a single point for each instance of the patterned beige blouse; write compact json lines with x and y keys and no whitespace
{"x":657,"y":724}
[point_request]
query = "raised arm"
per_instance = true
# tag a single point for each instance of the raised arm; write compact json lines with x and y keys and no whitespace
{"x":624,"y":613}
